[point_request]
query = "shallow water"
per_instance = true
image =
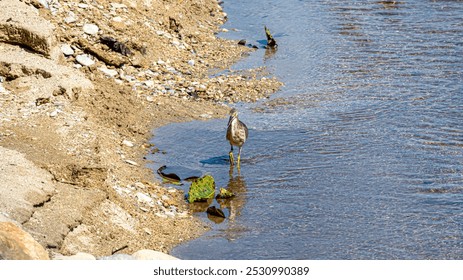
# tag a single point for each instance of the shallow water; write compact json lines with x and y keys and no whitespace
{"x":360,"y":155}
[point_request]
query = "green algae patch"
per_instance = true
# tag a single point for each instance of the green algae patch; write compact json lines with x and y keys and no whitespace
{"x":201,"y":189}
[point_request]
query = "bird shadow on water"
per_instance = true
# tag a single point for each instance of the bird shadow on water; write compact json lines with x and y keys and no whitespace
{"x":219,"y":160}
{"x":225,"y":160}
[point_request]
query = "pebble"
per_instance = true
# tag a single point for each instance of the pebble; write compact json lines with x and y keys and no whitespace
{"x":67,"y":50}
{"x":3,"y":90}
{"x":108,"y":72}
{"x":118,"y":6}
{"x":44,"y":4}
{"x":205,"y":116}
{"x":144,"y":198}
{"x":85,"y":60}
{"x":90,"y":29}
{"x":131,"y":162}
{"x":82,"y":5}
{"x":117,"y":19}
{"x":191,"y":62}
{"x":54,"y":113}
{"x":70,"y":19}
{"x":127,"y":143}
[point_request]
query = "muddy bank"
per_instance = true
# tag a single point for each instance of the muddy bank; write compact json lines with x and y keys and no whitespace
{"x":82,"y":85}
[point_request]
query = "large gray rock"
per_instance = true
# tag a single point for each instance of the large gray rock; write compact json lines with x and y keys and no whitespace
{"x":16,"y":244}
{"x":54,"y":220}
{"x":22,"y":186}
{"x":21,"y":24}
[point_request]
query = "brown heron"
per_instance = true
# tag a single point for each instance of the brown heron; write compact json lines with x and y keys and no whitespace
{"x":237,"y":133}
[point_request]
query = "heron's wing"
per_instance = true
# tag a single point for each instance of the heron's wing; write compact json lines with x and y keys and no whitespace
{"x":245,"y":129}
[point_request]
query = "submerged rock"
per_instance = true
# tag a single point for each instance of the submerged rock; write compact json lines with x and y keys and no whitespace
{"x":214,"y":211}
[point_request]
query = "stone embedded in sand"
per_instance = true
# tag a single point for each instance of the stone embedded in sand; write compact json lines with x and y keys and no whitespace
{"x":21,"y":24}
{"x":131,"y":162}
{"x":16,"y":244}
{"x":67,"y":50}
{"x":85,"y":60}
{"x":71,"y":18}
{"x":108,"y":72}
{"x":127,"y":143}
{"x":22,"y":185}
{"x":90,"y":29}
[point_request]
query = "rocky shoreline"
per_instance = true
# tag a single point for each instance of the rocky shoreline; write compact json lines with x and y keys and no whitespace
{"x":82,"y":85}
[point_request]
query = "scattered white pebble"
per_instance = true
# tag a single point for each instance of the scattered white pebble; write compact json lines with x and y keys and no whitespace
{"x":118,"y":6}
{"x":131,"y":162}
{"x":149,"y":83}
{"x":85,"y":60}
{"x":144,"y":198}
{"x":67,"y":50}
{"x":127,"y":143}
{"x":205,"y":116}
{"x":117,"y":19}
{"x":54,"y":113}
{"x":91,"y":29}
{"x":108,"y":72}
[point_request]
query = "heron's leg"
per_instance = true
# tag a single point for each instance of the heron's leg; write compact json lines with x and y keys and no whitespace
{"x":239,"y":156}
{"x":230,"y":154}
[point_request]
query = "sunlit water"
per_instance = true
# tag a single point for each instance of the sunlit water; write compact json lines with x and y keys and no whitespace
{"x":362,"y":157}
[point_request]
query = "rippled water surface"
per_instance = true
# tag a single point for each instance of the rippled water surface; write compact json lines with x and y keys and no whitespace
{"x":360,"y":155}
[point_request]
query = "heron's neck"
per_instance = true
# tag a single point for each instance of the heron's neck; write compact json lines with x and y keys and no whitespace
{"x":233,"y":122}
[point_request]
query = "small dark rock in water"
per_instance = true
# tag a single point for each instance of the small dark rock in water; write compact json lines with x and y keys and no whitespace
{"x":214,"y":211}
{"x":115,"y":45}
{"x":242,"y":42}
{"x":178,"y":173}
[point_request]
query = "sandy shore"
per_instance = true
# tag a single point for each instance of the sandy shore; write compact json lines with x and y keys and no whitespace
{"x":82,"y":86}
